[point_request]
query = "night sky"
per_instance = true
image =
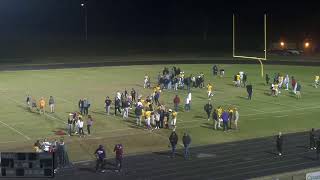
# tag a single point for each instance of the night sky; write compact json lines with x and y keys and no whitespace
{"x":63,"y":20}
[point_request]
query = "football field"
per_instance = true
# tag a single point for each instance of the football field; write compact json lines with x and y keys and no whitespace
{"x":263,"y":116}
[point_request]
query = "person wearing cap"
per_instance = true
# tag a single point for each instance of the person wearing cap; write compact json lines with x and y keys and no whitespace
{"x":42,"y":104}
{"x":100,"y":154}
{"x":186,"y":139}
{"x":107,"y":104}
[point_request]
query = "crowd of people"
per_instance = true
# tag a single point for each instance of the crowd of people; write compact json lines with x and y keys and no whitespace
{"x":58,"y":148}
{"x":283,"y":82}
{"x":40,"y":107}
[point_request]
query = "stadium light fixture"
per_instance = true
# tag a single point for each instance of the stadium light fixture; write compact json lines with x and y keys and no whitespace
{"x":282,"y":44}
{"x":84,"y":5}
{"x":306,"y":45}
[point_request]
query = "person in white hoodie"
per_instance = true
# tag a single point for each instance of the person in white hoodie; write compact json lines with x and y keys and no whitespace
{"x":286,"y":82}
{"x":80,"y":127}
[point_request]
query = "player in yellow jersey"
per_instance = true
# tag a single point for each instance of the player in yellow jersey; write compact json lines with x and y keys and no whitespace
{"x":276,"y":89}
{"x":238,"y":80}
{"x":174,"y":120}
{"x":147,"y":116}
{"x":209,"y":90}
{"x":219,"y":112}
{"x":316,"y":81}
{"x":42,"y":104}
{"x":280,"y":79}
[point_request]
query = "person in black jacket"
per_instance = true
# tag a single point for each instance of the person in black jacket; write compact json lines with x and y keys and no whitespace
{"x":133,"y":95}
{"x":208,"y":108}
{"x":186,"y":143}
{"x":215,"y":119}
{"x":81,"y":106}
{"x":279,"y":143}
{"x":173,"y":142}
{"x":100,"y":154}
{"x":162,"y":114}
{"x":249,"y":90}
{"x":117,"y":105}
{"x":312,"y":139}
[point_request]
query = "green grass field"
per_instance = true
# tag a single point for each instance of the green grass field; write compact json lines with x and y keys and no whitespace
{"x":262,"y":116}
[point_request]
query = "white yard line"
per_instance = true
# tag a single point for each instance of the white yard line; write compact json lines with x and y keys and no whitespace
{"x":281,"y":116}
{"x":16,"y":130}
{"x":288,"y":110}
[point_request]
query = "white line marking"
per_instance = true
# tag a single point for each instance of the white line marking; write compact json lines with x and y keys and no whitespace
{"x":288,"y":110}
{"x":281,"y":116}
{"x":15,"y":130}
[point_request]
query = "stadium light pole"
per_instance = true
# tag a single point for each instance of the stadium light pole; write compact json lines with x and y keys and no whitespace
{"x":84,"y":5}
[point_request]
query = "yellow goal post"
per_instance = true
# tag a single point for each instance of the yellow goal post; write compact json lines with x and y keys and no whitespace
{"x":260,"y":59}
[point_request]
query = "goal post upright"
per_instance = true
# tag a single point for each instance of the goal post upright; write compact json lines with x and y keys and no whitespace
{"x":260,"y":59}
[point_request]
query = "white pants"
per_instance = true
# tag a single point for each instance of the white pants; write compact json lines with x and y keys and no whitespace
{"x":145,"y":83}
{"x":51,"y":107}
{"x":287,"y":86}
{"x":238,"y":83}
{"x":148,"y":122}
{"x":139,"y":121}
{"x":126,"y":113}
